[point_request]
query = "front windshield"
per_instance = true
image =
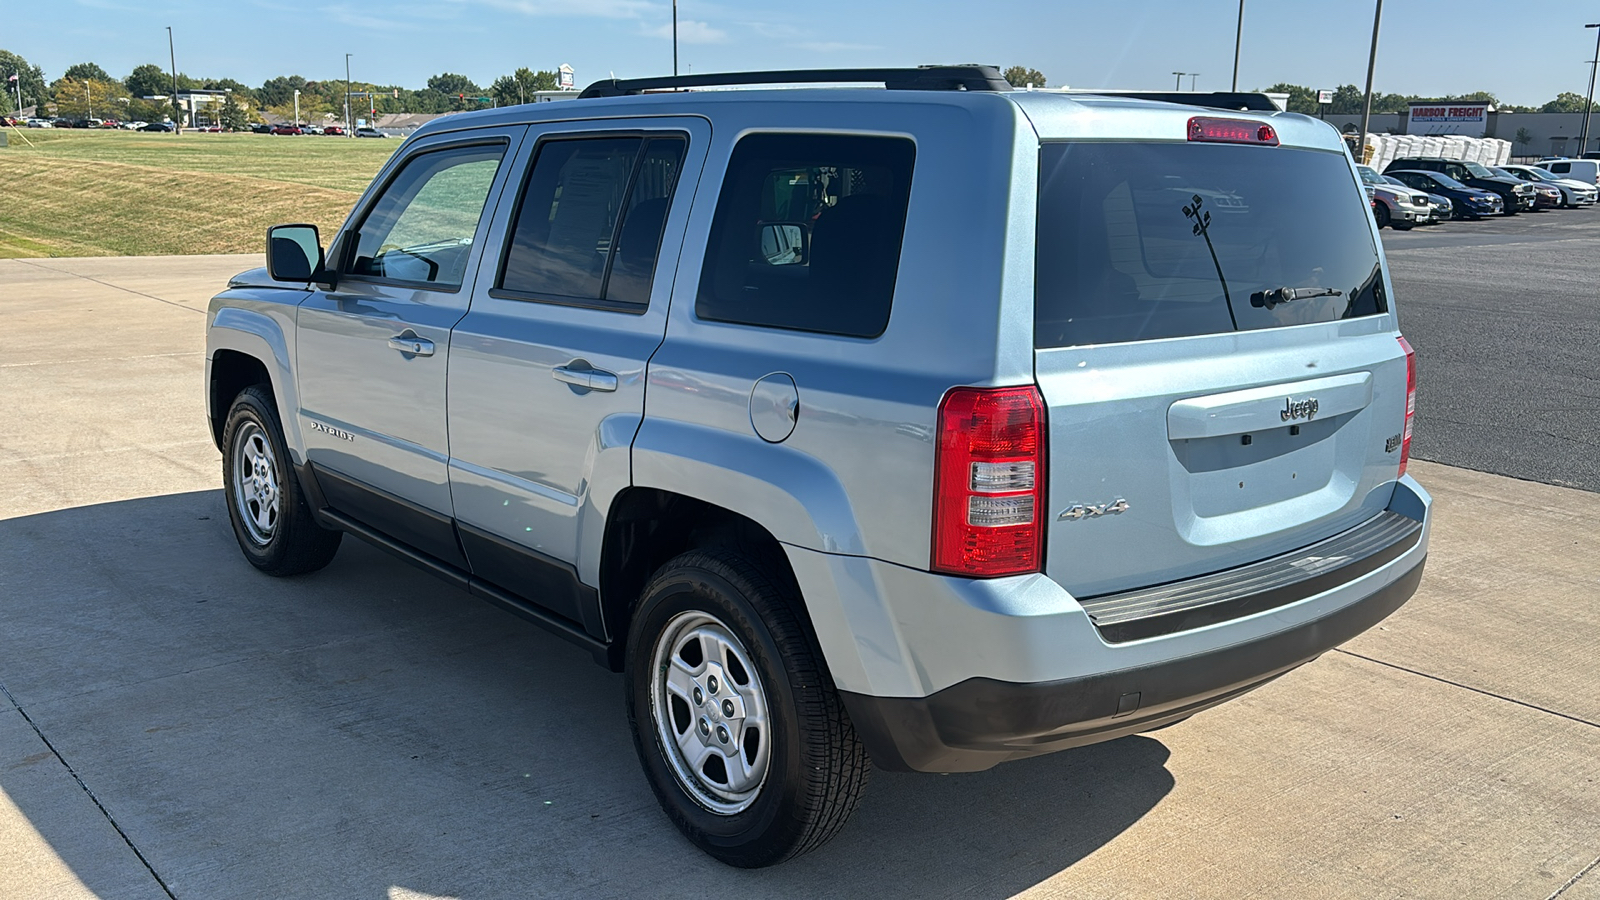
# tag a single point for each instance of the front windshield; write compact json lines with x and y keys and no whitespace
{"x":1449,"y":182}
{"x":1479,"y":171}
{"x":1369,"y":176}
{"x":1535,"y":174}
{"x":1390,"y":179}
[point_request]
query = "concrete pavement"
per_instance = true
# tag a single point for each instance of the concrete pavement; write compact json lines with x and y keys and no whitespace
{"x":175,"y":724}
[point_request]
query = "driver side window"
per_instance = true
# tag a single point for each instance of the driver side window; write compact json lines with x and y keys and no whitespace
{"x":421,"y":229}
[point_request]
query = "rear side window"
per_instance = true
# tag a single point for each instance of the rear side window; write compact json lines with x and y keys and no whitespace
{"x":588,"y":228}
{"x":807,"y":233}
{"x":1139,"y":241}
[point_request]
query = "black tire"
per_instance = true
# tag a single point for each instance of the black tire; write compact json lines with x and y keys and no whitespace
{"x":817,"y":768}
{"x":1381,"y":213}
{"x":295,"y":543}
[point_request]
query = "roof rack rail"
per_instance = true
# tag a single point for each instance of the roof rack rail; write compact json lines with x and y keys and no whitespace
{"x":1231,"y":100}
{"x":922,"y":78}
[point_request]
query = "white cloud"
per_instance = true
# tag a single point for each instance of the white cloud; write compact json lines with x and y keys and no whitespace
{"x":690,"y":31}
{"x":602,"y":9}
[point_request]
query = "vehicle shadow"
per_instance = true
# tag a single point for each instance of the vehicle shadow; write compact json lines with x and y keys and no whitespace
{"x":366,"y":731}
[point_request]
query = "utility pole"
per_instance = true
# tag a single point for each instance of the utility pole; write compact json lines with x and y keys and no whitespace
{"x":89,"y":95}
{"x":172,"y":56}
{"x":1583,"y":140}
{"x":1178,"y":82}
{"x":1193,"y":76}
{"x":674,"y":38}
{"x":1366,"y":108}
{"x":347,"y":95}
{"x":1238,"y":38}
{"x":297,"y":108}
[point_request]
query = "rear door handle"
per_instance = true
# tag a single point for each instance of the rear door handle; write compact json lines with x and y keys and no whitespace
{"x":410,"y":343}
{"x":592,"y":379}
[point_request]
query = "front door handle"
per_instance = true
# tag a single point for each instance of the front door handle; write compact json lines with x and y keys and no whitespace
{"x":410,"y":343}
{"x":592,"y":379}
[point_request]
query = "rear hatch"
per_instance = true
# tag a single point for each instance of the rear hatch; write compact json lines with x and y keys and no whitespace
{"x":1212,"y":341}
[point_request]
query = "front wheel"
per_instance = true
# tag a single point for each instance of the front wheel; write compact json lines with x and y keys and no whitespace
{"x":271,"y":518}
{"x":1381,"y":213}
{"x":735,"y":718}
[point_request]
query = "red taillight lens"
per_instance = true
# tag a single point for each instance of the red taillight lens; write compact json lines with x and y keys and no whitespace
{"x":1411,"y":402}
{"x":988,"y":496}
{"x":1231,"y":131}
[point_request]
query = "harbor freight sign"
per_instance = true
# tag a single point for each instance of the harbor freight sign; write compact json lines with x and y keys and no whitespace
{"x":1443,"y":117}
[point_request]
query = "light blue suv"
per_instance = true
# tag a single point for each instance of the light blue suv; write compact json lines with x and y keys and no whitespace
{"x":931,"y":427}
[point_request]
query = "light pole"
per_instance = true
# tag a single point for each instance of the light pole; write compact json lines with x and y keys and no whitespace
{"x":674,"y":38}
{"x":1366,"y":107}
{"x":1238,"y":38}
{"x":1192,"y":77}
{"x":347,"y":95}
{"x":1588,"y":106}
{"x":172,"y":56}
{"x":297,"y":109}
{"x":1178,"y":82}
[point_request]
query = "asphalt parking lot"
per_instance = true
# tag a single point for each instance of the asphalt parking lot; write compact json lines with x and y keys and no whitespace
{"x":1505,"y":316}
{"x":174,"y":724}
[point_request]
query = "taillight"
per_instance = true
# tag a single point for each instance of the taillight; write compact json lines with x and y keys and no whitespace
{"x":988,"y":496}
{"x":1411,"y":402}
{"x":1231,"y":131}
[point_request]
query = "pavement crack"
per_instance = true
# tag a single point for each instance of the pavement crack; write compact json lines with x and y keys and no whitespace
{"x":87,"y":792}
{"x":1468,"y":687}
{"x":1575,"y":879}
{"x":110,"y":285}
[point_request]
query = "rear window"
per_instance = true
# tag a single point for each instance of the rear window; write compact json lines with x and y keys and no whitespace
{"x":1139,"y":241}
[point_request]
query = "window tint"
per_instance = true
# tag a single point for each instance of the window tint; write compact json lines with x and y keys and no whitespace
{"x":589,"y":226}
{"x":1139,"y":241}
{"x":807,"y":233}
{"x":421,"y":229}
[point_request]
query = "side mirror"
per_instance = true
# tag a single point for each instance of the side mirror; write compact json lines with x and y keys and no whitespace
{"x":785,"y":243}
{"x":294,"y":253}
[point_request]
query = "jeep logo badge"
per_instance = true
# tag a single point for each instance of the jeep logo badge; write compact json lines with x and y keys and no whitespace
{"x":1298,"y":409}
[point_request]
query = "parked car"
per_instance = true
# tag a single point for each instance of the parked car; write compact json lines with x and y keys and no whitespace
{"x":1546,"y":196}
{"x":160,"y":126}
{"x":365,"y":132}
{"x":40,"y":123}
{"x":1573,"y":191}
{"x":333,"y":129}
{"x":260,"y":128}
{"x":884,"y":504}
{"x":1584,"y":170}
{"x":1515,"y":194}
{"x":1468,"y":202}
{"x":311,"y":129}
{"x":1399,"y":206}
{"x":286,"y":128}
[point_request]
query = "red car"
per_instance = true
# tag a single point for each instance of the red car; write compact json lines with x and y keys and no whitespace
{"x":333,"y":129}
{"x":287,"y":129}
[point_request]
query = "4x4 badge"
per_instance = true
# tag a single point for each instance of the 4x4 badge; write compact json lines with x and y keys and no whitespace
{"x":1086,"y":511}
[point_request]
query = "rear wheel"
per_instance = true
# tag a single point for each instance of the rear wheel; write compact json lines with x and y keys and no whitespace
{"x":734,"y":716}
{"x":271,"y":518}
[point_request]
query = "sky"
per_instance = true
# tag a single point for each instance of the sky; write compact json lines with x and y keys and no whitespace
{"x":1524,"y":53}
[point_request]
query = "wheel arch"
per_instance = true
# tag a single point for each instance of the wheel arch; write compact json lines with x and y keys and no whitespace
{"x":247,"y":347}
{"x":647,"y":527}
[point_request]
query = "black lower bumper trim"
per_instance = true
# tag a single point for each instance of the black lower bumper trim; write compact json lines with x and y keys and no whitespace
{"x":981,"y":722}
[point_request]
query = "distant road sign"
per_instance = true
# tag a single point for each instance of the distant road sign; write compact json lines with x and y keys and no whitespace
{"x":1324,"y":96}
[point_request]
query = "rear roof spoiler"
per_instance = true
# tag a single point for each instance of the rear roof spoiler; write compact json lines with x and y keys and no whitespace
{"x":1230,"y":100}
{"x":922,"y":78}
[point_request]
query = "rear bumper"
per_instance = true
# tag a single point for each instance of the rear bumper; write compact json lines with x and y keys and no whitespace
{"x":982,"y":722}
{"x":945,"y":674}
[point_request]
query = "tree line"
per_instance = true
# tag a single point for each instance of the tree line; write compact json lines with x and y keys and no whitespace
{"x":1349,"y":99}
{"x":87,"y":89}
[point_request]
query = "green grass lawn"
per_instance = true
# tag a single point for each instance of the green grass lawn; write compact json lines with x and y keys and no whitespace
{"x":119,"y":193}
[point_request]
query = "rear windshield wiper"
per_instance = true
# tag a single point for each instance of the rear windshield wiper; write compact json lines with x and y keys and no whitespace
{"x":1269,"y":299}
